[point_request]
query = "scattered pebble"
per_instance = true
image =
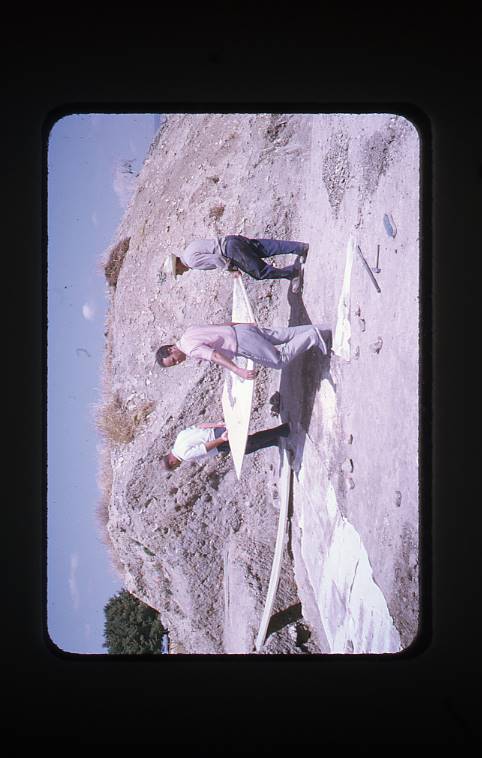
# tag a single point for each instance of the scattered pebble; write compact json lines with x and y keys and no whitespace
{"x":347,"y":466}
{"x":358,"y":311}
{"x":375,"y":347}
{"x":361,"y":323}
{"x":350,"y":439}
{"x":356,"y":354}
{"x":351,"y":483}
{"x":235,"y":523}
{"x":398,"y":498}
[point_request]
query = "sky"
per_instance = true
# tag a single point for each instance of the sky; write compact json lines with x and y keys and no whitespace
{"x":88,"y":191}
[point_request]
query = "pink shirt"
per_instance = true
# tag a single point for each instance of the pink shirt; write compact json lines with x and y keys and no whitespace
{"x":202,"y":341}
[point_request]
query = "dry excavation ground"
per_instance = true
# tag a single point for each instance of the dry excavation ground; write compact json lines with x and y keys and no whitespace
{"x":196,"y":544}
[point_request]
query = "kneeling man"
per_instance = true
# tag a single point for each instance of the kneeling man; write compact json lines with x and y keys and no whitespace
{"x":208,"y":440}
{"x":235,"y":252}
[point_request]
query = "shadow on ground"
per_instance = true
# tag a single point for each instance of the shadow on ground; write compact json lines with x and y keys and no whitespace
{"x":299,"y":385}
{"x":281,"y":619}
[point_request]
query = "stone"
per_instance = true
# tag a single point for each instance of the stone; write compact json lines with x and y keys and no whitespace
{"x":375,"y":347}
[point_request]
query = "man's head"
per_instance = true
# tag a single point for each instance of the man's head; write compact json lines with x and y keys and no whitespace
{"x":174,"y":266}
{"x":169,"y":462}
{"x":180,"y":267}
{"x":169,"y":355}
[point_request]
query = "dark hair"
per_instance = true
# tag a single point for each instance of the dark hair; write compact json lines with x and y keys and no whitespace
{"x":165,"y":465}
{"x":163,"y":352}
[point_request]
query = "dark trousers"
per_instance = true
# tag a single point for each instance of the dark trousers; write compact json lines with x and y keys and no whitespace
{"x":256,"y":441}
{"x":248,"y":254}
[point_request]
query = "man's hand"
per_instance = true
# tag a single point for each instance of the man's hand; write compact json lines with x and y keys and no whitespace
{"x":221,"y":360}
{"x":246,"y":373}
{"x":224,"y":435}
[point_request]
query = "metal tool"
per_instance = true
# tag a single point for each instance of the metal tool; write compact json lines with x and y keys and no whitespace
{"x":377,"y":269}
{"x":368,"y":268}
{"x":389,"y":225}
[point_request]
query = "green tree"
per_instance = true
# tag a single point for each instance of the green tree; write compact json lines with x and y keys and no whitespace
{"x":131,"y":627}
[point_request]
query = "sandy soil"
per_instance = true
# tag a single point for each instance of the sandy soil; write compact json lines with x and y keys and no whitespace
{"x":198,"y":545}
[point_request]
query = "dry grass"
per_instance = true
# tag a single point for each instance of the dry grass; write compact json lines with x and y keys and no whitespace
{"x":115,"y":260}
{"x":116,"y":423}
{"x":114,"y":560}
{"x":104,"y":481}
{"x":216,"y":212}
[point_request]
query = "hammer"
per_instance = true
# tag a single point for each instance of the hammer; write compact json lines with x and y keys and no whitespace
{"x":368,"y":269}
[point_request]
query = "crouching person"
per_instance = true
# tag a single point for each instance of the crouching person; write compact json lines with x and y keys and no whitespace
{"x":208,"y":440}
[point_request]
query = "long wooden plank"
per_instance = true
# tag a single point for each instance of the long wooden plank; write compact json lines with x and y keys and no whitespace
{"x":285,"y":482}
{"x":237,"y":397}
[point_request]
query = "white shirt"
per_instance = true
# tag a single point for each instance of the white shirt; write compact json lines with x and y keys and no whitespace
{"x":191,"y":443}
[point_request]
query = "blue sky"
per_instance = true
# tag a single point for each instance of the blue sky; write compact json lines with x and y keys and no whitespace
{"x":87,"y":195}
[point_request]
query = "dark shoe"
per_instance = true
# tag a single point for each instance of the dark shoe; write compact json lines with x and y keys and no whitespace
{"x":297,"y":281}
{"x":324,"y":340}
{"x":283,"y":430}
{"x":304,"y":251}
{"x":275,"y":401}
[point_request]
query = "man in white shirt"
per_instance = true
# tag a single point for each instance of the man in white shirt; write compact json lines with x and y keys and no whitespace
{"x":234,"y":252}
{"x":208,"y":440}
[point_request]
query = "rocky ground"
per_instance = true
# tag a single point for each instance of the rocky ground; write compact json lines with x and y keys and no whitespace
{"x":197,"y":544}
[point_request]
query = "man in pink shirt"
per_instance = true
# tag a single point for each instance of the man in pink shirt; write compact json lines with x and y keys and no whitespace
{"x":220,"y":343}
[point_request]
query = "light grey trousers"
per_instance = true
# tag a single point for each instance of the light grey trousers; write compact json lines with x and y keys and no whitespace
{"x":277,"y":346}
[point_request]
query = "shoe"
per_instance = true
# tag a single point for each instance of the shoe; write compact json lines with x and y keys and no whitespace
{"x":324,"y":339}
{"x":297,"y":281}
{"x":275,"y":401}
{"x":304,"y":251}
{"x":284,"y":430}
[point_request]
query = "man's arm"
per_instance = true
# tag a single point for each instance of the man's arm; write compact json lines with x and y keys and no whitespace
{"x":234,"y":323}
{"x":221,"y":360}
{"x":214,"y":443}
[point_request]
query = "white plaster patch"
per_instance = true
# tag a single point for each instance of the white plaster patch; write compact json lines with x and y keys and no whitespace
{"x":328,"y":402}
{"x":331,"y":504}
{"x":352,"y":607}
{"x":341,"y":340}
